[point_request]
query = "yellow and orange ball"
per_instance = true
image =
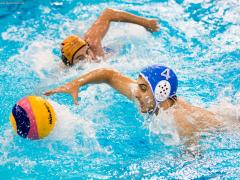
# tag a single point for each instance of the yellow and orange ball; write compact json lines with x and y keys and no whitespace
{"x":33,"y":117}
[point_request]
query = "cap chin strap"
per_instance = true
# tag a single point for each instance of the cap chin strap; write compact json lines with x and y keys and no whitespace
{"x":155,"y":108}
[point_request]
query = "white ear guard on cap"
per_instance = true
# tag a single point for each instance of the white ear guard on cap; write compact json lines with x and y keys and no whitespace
{"x":162,"y":90}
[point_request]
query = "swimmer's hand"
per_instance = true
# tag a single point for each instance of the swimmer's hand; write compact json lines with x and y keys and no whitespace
{"x":68,"y":88}
{"x":152,"y":25}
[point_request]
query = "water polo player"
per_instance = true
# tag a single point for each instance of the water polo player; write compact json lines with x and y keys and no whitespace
{"x":155,"y":90}
{"x":75,"y":49}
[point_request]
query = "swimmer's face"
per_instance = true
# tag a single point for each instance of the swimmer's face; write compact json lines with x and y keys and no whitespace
{"x":144,"y":95}
{"x":84,"y":52}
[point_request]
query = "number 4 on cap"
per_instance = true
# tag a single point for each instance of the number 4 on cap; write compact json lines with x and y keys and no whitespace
{"x":166,"y":74}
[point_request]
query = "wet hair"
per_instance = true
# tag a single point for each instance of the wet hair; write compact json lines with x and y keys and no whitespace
{"x":65,"y":61}
{"x":173,"y":98}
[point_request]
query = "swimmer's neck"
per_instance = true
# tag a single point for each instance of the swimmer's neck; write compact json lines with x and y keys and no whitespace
{"x":165,"y":105}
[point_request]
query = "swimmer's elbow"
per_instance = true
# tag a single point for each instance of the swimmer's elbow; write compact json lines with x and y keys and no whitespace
{"x":107,"y":13}
{"x":108,"y":10}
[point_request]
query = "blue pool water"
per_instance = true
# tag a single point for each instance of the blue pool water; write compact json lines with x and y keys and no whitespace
{"x":106,"y":137}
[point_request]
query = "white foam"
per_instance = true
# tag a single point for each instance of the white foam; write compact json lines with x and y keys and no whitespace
{"x":164,"y":125}
{"x":128,"y":31}
{"x":44,"y":9}
{"x":227,"y":112}
{"x":38,"y":56}
{"x":18,"y":34}
{"x":230,"y":39}
{"x":5,"y":145}
{"x":68,"y":128}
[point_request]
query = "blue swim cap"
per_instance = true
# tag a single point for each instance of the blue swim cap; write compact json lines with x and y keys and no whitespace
{"x":162,"y":80}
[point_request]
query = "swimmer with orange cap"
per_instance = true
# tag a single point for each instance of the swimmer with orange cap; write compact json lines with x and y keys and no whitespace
{"x":75,"y":48}
{"x":155,"y":90}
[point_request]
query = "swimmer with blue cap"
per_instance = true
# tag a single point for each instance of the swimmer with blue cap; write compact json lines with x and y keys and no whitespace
{"x":155,"y":91}
{"x":75,"y":48}
{"x":162,"y":82}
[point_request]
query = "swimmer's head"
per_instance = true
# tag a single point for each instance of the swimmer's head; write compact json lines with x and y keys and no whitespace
{"x":156,"y":85}
{"x":74,"y":48}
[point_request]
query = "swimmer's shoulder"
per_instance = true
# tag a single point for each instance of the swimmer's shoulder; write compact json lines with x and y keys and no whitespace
{"x":182,"y":104}
{"x":203,"y":117}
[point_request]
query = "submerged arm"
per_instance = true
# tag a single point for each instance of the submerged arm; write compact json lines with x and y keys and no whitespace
{"x":123,"y":84}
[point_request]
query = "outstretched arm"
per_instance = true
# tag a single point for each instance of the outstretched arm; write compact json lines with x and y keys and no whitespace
{"x":100,"y":27}
{"x":123,"y":84}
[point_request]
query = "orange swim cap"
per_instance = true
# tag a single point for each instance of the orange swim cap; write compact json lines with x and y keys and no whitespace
{"x":70,"y":45}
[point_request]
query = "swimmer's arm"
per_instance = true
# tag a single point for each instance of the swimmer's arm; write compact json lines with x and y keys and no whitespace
{"x":100,"y":27}
{"x":121,"y":16}
{"x":121,"y":83}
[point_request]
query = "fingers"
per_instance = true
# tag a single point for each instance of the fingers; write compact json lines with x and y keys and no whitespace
{"x":74,"y":94}
{"x":48,"y":93}
{"x":56,"y":90}
{"x":154,"y":26}
{"x":73,"y":91}
{"x":157,"y":27}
